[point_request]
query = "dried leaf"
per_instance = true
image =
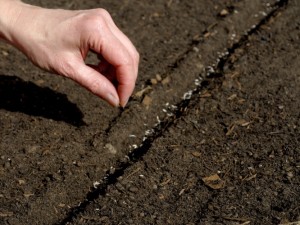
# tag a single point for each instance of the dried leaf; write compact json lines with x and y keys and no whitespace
{"x":166,"y":80}
{"x":214,"y":182}
{"x":242,"y":122}
{"x":141,"y":92}
{"x":196,"y":154}
{"x":147,"y":101}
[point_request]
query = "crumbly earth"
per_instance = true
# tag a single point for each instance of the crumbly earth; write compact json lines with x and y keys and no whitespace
{"x":228,"y":155}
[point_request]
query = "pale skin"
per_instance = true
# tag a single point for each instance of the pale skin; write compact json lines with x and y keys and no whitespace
{"x":59,"y":40}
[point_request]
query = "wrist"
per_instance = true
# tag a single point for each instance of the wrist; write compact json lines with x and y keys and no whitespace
{"x":17,"y":22}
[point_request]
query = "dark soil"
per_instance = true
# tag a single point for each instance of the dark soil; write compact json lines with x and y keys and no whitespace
{"x":226,"y":152}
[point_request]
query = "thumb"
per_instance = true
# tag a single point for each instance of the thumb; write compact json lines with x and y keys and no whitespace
{"x":96,"y":83}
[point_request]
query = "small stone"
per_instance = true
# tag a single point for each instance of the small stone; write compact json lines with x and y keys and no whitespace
{"x":21,"y":182}
{"x":133,"y":189}
{"x":195,"y":49}
{"x":111,"y":148}
{"x":153,"y":81}
{"x":290,"y":174}
{"x":158,"y":77}
{"x":224,"y":12}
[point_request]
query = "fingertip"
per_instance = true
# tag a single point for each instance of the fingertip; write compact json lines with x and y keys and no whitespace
{"x":112,"y":100}
{"x":98,"y":84}
{"x":124,"y":102}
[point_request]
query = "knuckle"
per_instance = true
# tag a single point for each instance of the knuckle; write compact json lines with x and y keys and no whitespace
{"x":104,"y":13}
{"x":66,"y":67}
{"x":95,"y":86}
{"x":94,"y":21}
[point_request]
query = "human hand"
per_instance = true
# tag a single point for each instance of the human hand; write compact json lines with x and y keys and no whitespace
{"x":59,"y":41}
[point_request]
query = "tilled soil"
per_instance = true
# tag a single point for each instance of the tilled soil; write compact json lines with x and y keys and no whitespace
{"x":227,"y":153}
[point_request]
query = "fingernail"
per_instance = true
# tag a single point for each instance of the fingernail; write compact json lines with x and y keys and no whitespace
{"x":124,"y":103}
{"x":113,"y":100}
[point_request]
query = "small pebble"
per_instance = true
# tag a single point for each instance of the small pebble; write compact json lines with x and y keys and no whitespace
{"x":111,"y":148}
{"x":153,"y":81}
{"x":158,"y":77}
{"x":224,"y":12}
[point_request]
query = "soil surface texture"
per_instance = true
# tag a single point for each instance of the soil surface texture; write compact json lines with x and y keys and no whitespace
{"x":211,"y":134}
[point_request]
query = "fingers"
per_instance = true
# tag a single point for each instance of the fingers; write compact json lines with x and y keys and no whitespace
{"x":124,"y":39}
{"x":95,"y":82}
{"x":119,"y":52}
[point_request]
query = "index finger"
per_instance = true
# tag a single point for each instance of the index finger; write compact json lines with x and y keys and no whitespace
{"x":118,"y":55}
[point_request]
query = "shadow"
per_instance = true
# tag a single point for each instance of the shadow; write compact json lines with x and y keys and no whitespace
{"x":17,"y":95}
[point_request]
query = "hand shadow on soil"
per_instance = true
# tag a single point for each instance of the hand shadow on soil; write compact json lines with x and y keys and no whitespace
{"x":17,"y":95}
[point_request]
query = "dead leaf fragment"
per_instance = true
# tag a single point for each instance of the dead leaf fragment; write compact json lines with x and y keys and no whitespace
{"x":243,"y":122}
{"x":231,"y":97}
{"x":166,"y":80}
{"x":230,"y":130}
{"x":205,"y":94}
{"x":141,"y":92}
{"x":153,"y":81}
{"x":214,"y":182}
{"x":147,"y":101}
{"x":196,"y":154}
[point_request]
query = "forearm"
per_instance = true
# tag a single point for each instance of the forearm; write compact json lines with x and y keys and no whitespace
{"x":9,"y":13}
